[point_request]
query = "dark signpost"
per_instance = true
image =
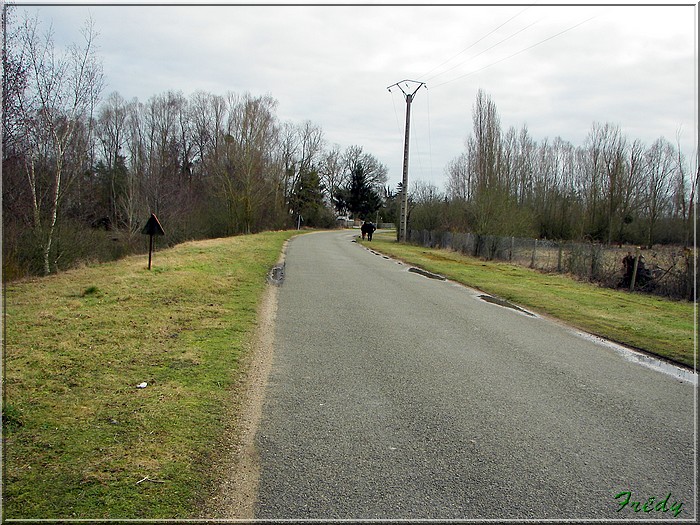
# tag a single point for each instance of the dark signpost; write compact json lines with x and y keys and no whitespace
{"x":152,"y":228}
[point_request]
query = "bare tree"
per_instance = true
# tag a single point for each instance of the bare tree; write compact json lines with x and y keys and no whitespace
{"x":629,"y":183}
{"x":289,"y":150}
{"x":332,"y":173}
{"x":591,"y":171}
{"x":429,"y":201}
{"x":459,"y":178}
{"x":17,"y":213}
{"x":62,"y":91}
{"x":111,"y":133}
{"x":684,"y":193}
{"x":614,"y":153}
{"x":133,"y":198}
{"x":487,"y":142}
{"x":247,"y":169}
{"x":14,"y":83}
{"x":375,"y":172}
{"x":311,"y":143}
{"x":494,"y":207}
{"x":301,"y":151}
{"x":656,"y":192}
{"x":207,"y":113}
{"x":524,"y":172}
{"x":111,"y":127}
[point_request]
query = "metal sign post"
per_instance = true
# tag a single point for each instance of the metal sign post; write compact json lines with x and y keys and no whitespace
{"x":152,"y":228}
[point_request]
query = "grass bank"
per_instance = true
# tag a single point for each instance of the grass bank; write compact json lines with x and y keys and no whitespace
{"x":654,"y":324}
{"x":81,"y":439}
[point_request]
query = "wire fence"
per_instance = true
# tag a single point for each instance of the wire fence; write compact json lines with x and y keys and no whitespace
{"x":667,"y":271}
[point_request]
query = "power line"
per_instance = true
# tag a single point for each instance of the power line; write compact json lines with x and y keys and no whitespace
{"x":396,"y":113}
{"x":475,"y":43}
{"x":485,"y":50}
{"x":518,"y":52}
{"x":425,"y":167}
{"x":430,"y":140}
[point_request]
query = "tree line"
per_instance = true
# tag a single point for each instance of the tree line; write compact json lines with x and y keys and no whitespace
{"x":611,"y":189}
{"x":82,"y":171}
{"x":81,"y":174}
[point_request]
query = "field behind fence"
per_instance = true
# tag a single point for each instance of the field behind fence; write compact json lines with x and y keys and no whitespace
{"x":668,"y":271}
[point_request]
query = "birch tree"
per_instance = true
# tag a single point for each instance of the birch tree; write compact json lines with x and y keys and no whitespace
{"x":62,"y":92}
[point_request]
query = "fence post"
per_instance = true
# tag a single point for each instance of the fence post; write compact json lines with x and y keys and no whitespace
{"x":512,"y":247}
{"x":634,"y":270}
{"x":690,"y":275}
{"x":559,"y":258}
{"x":595,"y":261}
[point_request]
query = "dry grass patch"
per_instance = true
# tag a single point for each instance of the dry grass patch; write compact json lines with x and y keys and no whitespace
{"x":81,"y":440}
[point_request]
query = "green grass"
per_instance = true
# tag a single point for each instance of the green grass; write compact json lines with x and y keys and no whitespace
{"x":79,"y":435}
{"x":653,"y":324}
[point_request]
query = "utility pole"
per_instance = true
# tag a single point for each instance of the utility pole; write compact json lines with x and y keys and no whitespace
{"x":408,"y":95}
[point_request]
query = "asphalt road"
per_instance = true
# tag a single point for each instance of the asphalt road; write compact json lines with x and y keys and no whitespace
{"x":397,"y":396}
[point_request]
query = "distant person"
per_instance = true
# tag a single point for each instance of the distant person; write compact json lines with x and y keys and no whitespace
{"x":367,"y":230}
{"x":370,"y":230}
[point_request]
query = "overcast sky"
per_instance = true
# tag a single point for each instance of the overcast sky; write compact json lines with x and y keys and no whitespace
{"x":556,"y":69}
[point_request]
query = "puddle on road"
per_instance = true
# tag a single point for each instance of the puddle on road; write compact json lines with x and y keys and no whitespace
{"x":276,"y":275}
{"x":679,"y":372}
{"x":427,"y":274}
{"x":504,"y":303}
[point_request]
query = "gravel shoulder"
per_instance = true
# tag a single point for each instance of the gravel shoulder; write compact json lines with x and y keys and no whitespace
{"x":238,"y":464}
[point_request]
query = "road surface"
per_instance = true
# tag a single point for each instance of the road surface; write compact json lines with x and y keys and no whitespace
{"x":396,"y":396}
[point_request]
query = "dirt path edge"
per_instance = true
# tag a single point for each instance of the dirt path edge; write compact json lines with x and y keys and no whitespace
{"x":238,"y":467}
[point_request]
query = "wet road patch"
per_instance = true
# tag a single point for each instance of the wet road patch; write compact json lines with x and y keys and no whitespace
{"x":276,"y":275}
{"x":504,"y":303}
{"x":425,"y":273}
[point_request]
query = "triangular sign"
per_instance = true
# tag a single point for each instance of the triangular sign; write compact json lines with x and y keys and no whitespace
{"x":153,"y":227}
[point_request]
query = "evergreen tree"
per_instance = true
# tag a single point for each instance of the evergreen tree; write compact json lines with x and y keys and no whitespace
{"x":307,"y":200}
{"x":360,"y":198}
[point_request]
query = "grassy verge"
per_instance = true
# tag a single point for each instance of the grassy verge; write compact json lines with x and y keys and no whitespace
{"x":81,"y":440}
{"x":653,"y":324}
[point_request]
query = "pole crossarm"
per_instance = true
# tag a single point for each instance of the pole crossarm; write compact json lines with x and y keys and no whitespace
{"x":406,"y":83}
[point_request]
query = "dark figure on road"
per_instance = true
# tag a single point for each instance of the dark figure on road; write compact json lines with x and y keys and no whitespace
{"x":367,"y":229}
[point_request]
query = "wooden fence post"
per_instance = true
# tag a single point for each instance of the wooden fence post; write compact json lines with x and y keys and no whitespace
{"x":512,"y":247}
{"x":638,"y":254}
{"x":559,"y":258}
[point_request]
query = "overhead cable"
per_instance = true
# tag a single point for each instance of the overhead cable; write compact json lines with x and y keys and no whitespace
{"x":475,"y":43}
{"x":516,"y":53}
{"x":485,"y":50}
